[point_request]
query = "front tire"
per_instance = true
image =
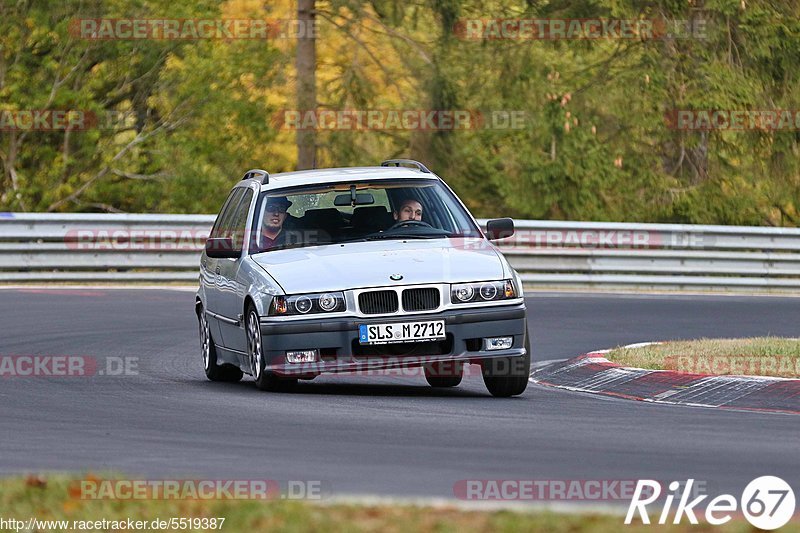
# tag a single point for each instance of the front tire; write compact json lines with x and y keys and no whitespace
{"x":266,"y":381}
{"x":214,"y":372}
{"x":508,"y":376}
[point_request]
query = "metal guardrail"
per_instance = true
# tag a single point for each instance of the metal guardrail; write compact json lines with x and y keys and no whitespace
{"x":88,"y":247}
{"x":158,"y":248}
{"x":656,"y":256}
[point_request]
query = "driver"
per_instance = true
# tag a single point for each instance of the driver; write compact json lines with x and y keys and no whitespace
{"x":409,"y":209}
{"x":273,"y":232}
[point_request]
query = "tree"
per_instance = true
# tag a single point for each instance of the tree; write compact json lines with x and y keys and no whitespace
{"x":306,"y":65}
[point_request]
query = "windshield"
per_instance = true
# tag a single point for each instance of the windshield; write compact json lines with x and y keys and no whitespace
{"x":358,"y":211}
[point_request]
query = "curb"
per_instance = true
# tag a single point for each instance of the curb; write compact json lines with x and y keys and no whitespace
{"x":593,"y":373}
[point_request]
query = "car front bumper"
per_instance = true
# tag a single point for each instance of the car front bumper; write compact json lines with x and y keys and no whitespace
{"x":336,"y":340}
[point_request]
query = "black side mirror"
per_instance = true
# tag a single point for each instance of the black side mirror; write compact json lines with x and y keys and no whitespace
{"x":499,"y":228}
{"x":222,"y":248}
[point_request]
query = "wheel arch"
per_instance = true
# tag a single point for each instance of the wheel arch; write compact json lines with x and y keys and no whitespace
{"x":248,"y":302}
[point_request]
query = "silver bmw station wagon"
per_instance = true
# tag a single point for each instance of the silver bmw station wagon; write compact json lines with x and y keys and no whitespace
{"x":349,"y":270}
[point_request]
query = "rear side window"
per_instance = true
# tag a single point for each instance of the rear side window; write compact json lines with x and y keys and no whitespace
{"x":239,"y":219}
{"x":222,"y":226}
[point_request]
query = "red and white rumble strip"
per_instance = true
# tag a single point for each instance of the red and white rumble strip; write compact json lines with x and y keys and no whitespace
{"x":594,"y":373}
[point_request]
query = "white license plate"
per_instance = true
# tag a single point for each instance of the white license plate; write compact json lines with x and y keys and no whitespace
{"x":401,"y":332}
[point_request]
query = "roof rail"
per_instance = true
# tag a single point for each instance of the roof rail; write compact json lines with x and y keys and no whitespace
{"x":398,"y":162}
{"x":257,"y":173}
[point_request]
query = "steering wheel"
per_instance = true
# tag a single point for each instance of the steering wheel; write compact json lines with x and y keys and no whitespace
{"x":410,"y":224}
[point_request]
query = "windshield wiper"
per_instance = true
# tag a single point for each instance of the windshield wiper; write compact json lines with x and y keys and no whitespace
{"x":285,"y":247}
{"x":383,"y":236}
{"x":345,"y":241}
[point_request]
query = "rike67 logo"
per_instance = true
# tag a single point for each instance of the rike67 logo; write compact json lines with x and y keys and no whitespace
{"x":767,"y":502}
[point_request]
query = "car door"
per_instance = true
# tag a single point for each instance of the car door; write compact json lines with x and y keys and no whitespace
{"x":231,"y":289}
{"x":210,"y":266}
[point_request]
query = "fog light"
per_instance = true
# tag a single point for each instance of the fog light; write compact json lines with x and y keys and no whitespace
{"x":498,"y":343}
{"x":301,"y":356}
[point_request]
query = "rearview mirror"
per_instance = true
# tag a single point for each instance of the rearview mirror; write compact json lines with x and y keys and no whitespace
{"x":499,"y":228}
{"x":362,"y":198}
{"x":222,"y":248}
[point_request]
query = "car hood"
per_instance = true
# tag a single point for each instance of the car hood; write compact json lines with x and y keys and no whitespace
{"x":369,"y":264}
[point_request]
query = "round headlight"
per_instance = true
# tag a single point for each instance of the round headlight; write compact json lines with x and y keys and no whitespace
{"x":328,"y":302}
{"x":303,"y":304}
{"x":464,"y":293}
{"x":488,"y":291}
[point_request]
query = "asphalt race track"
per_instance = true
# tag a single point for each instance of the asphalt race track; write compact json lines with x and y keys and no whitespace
{"x":390,"y":436}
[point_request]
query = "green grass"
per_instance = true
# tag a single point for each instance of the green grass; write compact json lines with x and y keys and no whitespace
{"x":58,"y":498}
{"x":761,"y":356}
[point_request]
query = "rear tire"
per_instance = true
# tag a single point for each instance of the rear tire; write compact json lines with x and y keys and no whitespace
{"x":446,"y":374}
{"x":266,"y":381}
{"x":508,"y":376}
{"x":214,"y":372}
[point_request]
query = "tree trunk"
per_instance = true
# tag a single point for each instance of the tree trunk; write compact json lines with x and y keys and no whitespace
{"x":305,"y":63}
